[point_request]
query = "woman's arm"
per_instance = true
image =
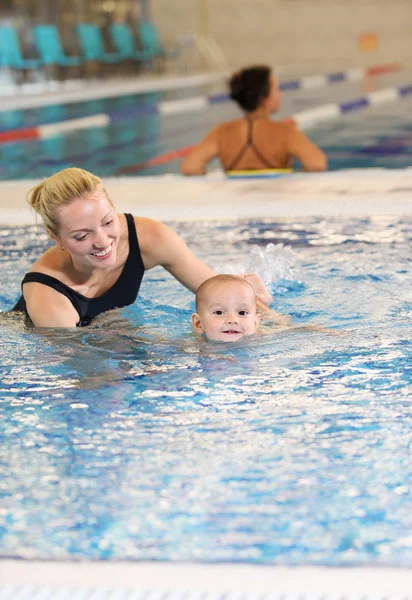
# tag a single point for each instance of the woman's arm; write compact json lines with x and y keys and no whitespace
{"x":196,"y":161}
{"x":160,"y":245}
{"x":308,"y":154}
{"x":47,"y":307}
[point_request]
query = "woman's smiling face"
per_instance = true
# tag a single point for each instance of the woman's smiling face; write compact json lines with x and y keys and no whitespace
{"x":90,"y":230}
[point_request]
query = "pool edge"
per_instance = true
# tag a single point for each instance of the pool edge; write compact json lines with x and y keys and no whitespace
{"x":353,"y":192}
{"x":193,"y":577}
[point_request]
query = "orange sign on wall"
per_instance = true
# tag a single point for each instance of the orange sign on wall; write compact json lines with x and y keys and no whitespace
{"x":368,"y":41}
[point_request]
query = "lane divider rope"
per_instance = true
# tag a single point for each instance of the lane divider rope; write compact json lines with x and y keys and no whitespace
{"x":170,"y":107}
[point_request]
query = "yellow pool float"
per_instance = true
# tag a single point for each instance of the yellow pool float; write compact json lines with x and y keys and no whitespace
{"x":258,"y":173}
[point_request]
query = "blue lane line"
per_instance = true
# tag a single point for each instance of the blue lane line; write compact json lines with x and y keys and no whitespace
{"x":405,"y":90}
{"x":217,"y":98}
{"x":290,"y":85}
{"x":337,"y":77}
{"x":354,"y":104}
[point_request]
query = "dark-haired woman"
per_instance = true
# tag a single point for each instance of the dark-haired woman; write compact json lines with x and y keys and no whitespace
{"x":255,"y":141}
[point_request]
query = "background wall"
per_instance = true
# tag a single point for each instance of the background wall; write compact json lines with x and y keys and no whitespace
{"x":294,"y":35}
{"x":299,"y":36}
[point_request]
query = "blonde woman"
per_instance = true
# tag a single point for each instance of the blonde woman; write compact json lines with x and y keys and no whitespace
{"x":99,"y":257}
{"x":255,"y":142}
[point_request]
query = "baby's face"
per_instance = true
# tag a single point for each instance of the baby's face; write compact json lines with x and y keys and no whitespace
{"x":227,"y":312}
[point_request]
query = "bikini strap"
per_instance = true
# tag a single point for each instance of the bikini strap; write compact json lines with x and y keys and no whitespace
{"x":75,"y":298}
{"x":245,"y":148}
{"x":253,"y":146}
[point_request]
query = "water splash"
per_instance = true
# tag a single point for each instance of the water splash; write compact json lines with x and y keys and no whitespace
{"x":274,"y":263}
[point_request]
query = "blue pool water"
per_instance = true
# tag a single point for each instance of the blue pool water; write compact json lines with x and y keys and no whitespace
{"x":381,"y":136}
{"x":132,"y":440}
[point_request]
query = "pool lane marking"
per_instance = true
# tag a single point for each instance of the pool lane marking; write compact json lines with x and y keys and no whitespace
{"x":383,"y":96}
{"x":170,"y":107}
{"x":49,"y":130}
{"x":301,"y":119}
{"x":53,"y":129}
{"x":114,"y":147}
{"x":29,"y":133}
{"x":319,"y":113}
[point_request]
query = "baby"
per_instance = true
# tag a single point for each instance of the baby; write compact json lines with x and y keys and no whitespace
{"x":226,"y":309}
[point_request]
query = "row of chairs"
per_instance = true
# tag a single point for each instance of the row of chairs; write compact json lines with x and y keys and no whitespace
{"x":50,"y":49}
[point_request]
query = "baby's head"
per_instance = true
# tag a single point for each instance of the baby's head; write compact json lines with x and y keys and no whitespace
{"x":226,"y":309}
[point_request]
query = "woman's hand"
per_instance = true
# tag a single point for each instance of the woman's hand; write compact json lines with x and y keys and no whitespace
{"x":260,"y":288}
{"x":264,"y":299}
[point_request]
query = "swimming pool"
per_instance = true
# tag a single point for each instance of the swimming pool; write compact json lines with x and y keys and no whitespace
{"x":369,"y":138}
{"x":291,"y":450}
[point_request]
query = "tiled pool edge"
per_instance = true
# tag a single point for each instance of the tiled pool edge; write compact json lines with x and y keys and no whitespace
{"x":208,"y":578}
{"x":353,"y":193}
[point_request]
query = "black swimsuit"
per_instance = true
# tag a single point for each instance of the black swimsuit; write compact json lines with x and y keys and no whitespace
{"x":122,"y":293}
{"x":249,"y":144}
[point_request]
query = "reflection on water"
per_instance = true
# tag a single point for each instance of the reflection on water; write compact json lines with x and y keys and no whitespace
{"x":130,"y":439}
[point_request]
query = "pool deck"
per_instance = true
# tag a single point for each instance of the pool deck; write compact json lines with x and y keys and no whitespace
{"x":194,"y":579}
{"x":354,"y":192}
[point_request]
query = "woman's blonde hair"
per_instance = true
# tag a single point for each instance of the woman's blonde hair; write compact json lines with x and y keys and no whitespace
{"x":60,"y":190}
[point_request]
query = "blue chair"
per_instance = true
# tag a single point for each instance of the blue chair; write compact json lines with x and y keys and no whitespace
{"x":92,"y":45}
{"x":10,"y":52}
{"x":149,"y":39}
{"x":50,"y":48}
{"x":122,"y":39}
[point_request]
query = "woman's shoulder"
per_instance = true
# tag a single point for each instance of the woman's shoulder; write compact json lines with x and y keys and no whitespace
{"x":228,"y":126}
{"x":50,"y":262}
{"x":234,"y":124}
{"x":279,"y":130}
{"x":149,"y":229}
{"x":285,"y":126}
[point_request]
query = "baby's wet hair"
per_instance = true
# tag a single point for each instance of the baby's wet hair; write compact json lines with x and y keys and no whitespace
{"x":222,"y":278}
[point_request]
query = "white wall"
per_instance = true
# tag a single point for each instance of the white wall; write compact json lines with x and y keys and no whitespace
{"x":295,"y":35}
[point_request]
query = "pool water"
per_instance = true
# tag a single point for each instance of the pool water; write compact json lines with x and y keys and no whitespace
{"x":130,"y":439}
{"x":376,"y":137}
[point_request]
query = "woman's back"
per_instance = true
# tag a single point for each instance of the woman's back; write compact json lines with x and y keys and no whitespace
{"x":255,"y":142}
{"x":250,"y":144}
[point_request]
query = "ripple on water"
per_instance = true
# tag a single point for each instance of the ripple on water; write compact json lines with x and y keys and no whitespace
{"x":131,"y":440}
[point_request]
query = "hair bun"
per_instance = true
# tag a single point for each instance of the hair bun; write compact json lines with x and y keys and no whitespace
{"x":250,"y":86}
{"x":34,"y":197}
